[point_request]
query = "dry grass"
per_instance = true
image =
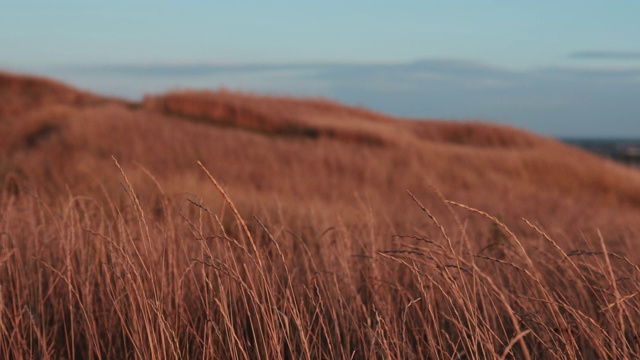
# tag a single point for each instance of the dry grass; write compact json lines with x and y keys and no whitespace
{"x":305,"y":244}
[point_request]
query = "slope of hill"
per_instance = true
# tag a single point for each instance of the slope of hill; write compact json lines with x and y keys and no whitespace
{"x":97,"y":190}
{"x":19,"y":94}
{"x":305,"y":154}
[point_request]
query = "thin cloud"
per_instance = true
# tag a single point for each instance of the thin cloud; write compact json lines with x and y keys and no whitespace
{"x":606,"y":55}
{"x":181,"y":69}
{"x":443,"y":66}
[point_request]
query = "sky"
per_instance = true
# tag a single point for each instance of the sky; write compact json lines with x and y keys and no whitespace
{"x":560,"y":68}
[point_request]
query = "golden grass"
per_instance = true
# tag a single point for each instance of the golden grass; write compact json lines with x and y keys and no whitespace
{"x":114,"y":243}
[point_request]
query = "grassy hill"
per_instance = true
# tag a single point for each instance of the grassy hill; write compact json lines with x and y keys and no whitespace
{"x":115,"y":241}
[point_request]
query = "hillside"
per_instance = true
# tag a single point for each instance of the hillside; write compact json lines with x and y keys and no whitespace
{"x":337,"y":232}
{"x":304,"y":156}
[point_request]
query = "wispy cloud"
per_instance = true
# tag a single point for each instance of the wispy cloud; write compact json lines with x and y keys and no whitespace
{"x":606,"y":55}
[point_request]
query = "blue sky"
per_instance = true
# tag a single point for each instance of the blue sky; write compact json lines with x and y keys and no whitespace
{"x":562,"y":68}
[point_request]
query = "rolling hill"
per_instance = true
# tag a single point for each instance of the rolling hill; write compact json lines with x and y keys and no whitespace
{"x":305,"y":155}
{"x":336,"y":232}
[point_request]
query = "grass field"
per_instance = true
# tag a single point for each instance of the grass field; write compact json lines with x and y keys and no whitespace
{"x":225,"y":225}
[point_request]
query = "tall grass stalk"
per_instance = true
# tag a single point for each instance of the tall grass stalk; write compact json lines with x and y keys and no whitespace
{"x":102,"y":277}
